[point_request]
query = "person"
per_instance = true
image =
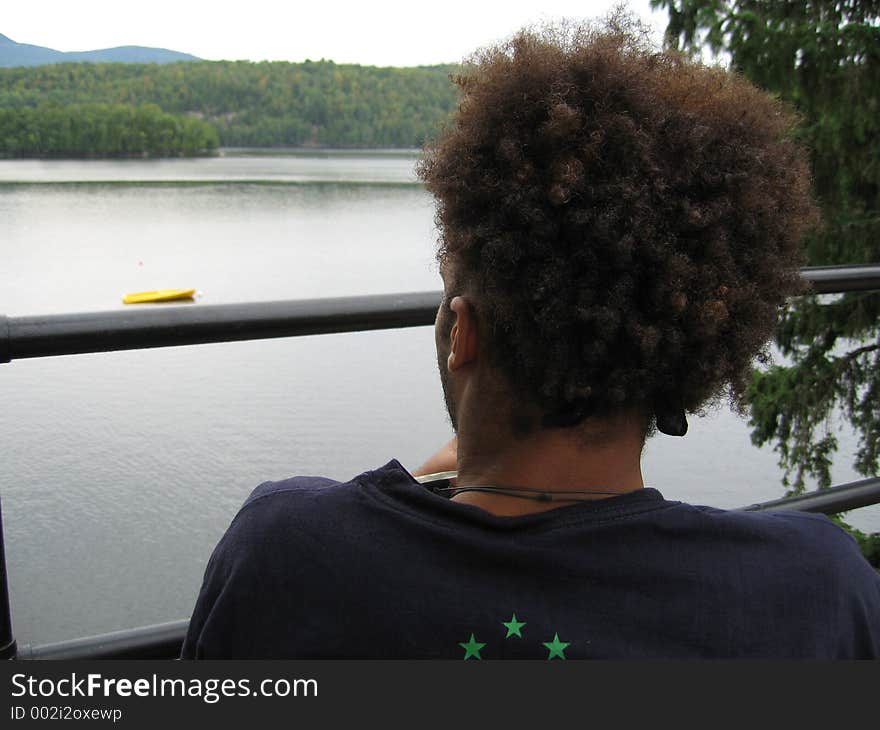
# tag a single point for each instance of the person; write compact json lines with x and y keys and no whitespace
{"x":619,"y":227}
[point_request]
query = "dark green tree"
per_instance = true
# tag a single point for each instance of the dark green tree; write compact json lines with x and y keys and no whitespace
{"x":824,"y":58}
{"x":102,"y":130}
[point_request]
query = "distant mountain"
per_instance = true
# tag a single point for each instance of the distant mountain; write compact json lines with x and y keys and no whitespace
{"x":24,"y":54}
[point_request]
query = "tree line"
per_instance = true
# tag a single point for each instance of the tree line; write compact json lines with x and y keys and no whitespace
{"x":102,"y":130}
{"x":266,"y":104}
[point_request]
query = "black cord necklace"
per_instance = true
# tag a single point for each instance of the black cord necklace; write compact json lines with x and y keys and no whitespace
{"x":542,"y":495}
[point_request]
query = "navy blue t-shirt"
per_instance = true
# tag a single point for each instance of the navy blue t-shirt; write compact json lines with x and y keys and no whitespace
{"x":380,"y":567}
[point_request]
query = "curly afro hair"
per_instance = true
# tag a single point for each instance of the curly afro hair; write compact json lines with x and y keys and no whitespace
{"x":627,"y":221}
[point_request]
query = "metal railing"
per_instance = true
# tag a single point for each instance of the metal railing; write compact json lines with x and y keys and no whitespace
{"x":830,"y":501}
{"x":169,"y":326}
{"x":161,"y":641}
{"x":195,"y":324}
{"x":69,"y":334}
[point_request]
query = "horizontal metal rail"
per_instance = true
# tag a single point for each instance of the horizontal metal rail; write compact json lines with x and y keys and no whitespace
{"x":832,"y":500}
{"x":169,"y":326}
{"x":166,"y":326}
{"x":840,"y":279}
{"x":161,"y":641}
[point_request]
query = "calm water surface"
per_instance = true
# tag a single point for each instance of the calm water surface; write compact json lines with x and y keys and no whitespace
{"x":121,"y":470}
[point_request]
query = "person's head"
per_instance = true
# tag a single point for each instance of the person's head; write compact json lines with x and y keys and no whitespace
{"x":619,"y":226}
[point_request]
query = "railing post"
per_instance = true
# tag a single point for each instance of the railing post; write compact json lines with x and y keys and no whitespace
{"x":7,"y":642}
{"x":4,"y":339}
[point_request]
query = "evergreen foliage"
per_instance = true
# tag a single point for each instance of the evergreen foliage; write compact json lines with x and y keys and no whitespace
{"x":102,"y":130}
{"x":265,"y":104}
{"x":823,"y":56}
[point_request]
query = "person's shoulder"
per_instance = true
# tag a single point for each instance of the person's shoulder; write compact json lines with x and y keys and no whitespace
{"x":785,"y":525}
{"x":809,"y":536}
{"x":290,"y":488}
{"x":306,"y":501}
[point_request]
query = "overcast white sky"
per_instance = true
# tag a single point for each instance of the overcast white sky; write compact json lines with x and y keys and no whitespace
{"x":372,"y":32}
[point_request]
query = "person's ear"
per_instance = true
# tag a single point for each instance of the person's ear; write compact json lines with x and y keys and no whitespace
{"x":463,"y":336}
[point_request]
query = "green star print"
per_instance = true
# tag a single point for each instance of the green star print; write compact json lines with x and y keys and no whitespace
{"x":556,"y":647}
{"x":472,"y":648}
{"x":513,"y":627}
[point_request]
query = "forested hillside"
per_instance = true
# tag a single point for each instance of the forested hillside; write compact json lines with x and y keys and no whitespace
{"x":102,"y":130}
{"x":255,"y":104}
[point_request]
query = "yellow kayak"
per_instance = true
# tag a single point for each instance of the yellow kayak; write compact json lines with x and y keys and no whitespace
{"x":159,"y":295}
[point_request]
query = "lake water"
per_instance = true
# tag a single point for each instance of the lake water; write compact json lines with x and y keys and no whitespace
{"x":120,"y":471}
